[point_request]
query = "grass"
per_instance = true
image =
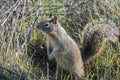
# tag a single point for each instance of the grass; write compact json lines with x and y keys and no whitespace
{"x":33,"y":64}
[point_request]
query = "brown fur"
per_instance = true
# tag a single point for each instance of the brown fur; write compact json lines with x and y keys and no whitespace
{"x":68,"y":55}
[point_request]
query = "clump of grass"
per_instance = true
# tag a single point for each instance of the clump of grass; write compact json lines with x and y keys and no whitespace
{"x":106,"y":65}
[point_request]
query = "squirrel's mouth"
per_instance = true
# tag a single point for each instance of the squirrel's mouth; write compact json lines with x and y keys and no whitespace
{"x":45,"y":29}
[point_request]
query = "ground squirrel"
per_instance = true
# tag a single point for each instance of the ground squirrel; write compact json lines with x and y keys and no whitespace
{"x":95,"y":36}
{"x":64,"y":48}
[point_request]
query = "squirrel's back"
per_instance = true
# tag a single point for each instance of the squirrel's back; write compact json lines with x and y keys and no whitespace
{"x":95,"y":36}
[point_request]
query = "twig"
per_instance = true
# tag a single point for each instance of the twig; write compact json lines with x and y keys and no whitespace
{"x":12,"y":72}
{"x":47,"y":78}
{"x":10,"y":14}
{"x":9,"y":10}
{"x":29,"y":30}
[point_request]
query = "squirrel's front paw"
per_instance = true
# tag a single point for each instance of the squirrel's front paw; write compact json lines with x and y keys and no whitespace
{"x":51,"y":56}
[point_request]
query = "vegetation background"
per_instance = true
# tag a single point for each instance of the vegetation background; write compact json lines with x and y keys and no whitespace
{"x":23,"y":53}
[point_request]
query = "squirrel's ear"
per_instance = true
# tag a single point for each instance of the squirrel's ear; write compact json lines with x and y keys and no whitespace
{"x":55,"y":19}
{"x":51,"y":15}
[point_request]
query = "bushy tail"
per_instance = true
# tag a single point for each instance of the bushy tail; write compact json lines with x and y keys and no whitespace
{"x":95,"y":36}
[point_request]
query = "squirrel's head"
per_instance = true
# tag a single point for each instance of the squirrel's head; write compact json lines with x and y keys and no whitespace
{"x":48,"y":25}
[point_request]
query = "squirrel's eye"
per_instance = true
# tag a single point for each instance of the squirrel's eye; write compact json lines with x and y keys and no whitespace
{"x":46,"y":24}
